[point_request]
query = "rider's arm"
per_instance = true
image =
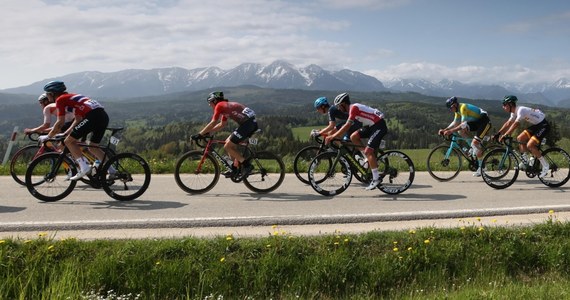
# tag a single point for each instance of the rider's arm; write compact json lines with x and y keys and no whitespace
{"x":341,"y":131}
{"x":213,"y":126}
{"x":57,"y":126}
{"x":329,"y":129}
{"x":512,"y":126}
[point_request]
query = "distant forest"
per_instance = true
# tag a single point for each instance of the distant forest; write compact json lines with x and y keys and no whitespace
{"x":160,"y":127}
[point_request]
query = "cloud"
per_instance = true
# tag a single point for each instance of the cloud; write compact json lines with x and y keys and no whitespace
{"x":363,"y":4}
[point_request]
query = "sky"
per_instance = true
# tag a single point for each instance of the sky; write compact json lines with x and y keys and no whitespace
{"x":484,"y":41}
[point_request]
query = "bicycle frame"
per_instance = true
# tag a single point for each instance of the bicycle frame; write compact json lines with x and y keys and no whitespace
{"x":209,"y":148}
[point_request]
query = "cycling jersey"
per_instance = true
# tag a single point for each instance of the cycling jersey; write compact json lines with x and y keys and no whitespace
{"x":233,"y":110}
{"x":339,"y":117}
{"x":367,"y":115}
{"x":51,"y":110}
{"x":530,"y":115}
{"x":468,"y":113}
{"x":80,"y":104}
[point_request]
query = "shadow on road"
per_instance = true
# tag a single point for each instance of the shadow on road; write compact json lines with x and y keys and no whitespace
{"x":125,"y":205}
{"x":10,"y":209}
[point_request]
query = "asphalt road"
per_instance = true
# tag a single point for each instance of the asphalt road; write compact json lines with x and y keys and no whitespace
{"x":230,"y":208}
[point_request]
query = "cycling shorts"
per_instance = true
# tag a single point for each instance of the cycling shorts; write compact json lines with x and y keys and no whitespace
{"x":374,"y":133}
{"x":244,"y":131}
{"x":95,"y":121}
{"x":481,"y":126}
{"x":539,"y":131}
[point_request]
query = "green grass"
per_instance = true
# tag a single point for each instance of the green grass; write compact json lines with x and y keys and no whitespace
{"x":470,"y":262}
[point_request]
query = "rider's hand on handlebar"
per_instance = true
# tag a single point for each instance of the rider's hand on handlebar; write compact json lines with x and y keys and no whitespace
{"x":197,"y":137}
{"x":496,"y":136}
{"x":315,"y":133}
{"x":43,"y":138}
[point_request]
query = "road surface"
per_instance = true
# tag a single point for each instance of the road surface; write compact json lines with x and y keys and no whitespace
{"x":230,"y":208}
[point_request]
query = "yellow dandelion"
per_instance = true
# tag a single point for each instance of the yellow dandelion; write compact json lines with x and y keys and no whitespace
{"x":481,"y":229}
{"x":346,"y":240}
{"x":395,"y":249}
{"x":275,"y":232}
{"x":2,"y":242}
{"x":336,"y":243}
{"x":395,"y":242}
{"x":551,"y":211}
{"x":274,"y":226}
{"x":462,"y":228}
{"x":268,"y":245}
{"x":157,"y":263}
{"x":410,"y":249}
{"x":494,"y":221}
{"x":27,"y":241}
{"x":42,"y":234}
{"x":50,"y":247}
{"x":229,"y":237}
{"x":426,"y":242}
{"x":222,"y":259}
{"x":411,"y":231}
{"x":479,"y":219}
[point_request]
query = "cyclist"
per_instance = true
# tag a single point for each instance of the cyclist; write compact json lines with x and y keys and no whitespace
{"x":90,"y":117}
{"x":531,"y":137}
{"x":468,"y":117}
{"x":373,"y":127}
{"x":247,"y":125}
{"x":49,"y":110}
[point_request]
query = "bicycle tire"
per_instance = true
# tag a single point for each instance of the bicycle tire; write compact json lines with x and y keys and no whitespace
{"x":130,"y":179}
{"x":302,"y":161}
{"x":444,"y":168}
{"x":52,"y":188}
{"x":267,"y":174}
{"x":499,"y":168}
{"x":397,"y":172}
{"x":192,"y":180}
{"x":559,"y":161}
{"x":20,"y":162}
{"x":329,"y":176}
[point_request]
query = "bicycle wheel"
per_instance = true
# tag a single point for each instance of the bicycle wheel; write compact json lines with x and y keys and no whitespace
{"x":48,"y":181}
{"x":130,"y":179}
{"x":397,"y":172}
{"x":302,"y":161}
{"x":329,"y":176}
{"x":559,"y":162}
{"x":267,"y":174}
{"x":442,"y":167}
{"x":20,"y":161}
{"x":195,"y":173}
{"x":499,"y":168}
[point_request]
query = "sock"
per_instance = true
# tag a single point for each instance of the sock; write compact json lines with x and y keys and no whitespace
{"x":375,"y":174}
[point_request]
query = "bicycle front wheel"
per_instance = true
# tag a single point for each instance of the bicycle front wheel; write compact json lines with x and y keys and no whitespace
{"x":20,"y":162}
{"x":47,"y":180}
{"x":196,"y":173}
{"x":302,"y":161}
{"x":329,"y":176}
{"x":441,"y":166}
{"x":267,"y":174}
{"x":397,"y":172}
{"x":559,"y":164}
{"x":128,"y":176}
{"x":499,"y":168}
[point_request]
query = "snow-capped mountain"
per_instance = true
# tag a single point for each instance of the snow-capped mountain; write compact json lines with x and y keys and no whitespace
{"x":283,"y":75}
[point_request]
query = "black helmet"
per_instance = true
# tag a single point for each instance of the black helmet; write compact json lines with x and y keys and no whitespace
{"x":449,"y":102}
{"x":342,"y":98}
{"x":215,"y":96}
{"x":510,"y":99}
{"x":55,"y":87}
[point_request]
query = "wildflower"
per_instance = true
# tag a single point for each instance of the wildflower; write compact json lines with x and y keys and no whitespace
{"x":494,"y":221}
{"x":268,"y":245}
{"x":479,"y":219}
{"x":481,"y":229}
{"x":42,"y":234}
{"x":222,"y":259}
{"x":395,"y":249}
{"x":275,"y":232}
{"x":551,"y":211}
{"x":409,"y":248}
{"x":426,"y":242}
{"x":157,"y":263}
{"x":411,"y":231}
{"x":50,"y":247}
{"x":274,"y":226}
{"x":229,"y":237}
{"x":462,"y":228}
{"x":336,"y":243}
{"x":346,"y":240}
{"x":395,"y":242}
{"x":2,"y":242}
{"x":27,"y":241}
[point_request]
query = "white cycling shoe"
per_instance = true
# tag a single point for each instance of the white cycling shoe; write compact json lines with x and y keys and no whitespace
{"x":81,"y":173}
{"x":373,"y":184}
{"x":544,"y":171}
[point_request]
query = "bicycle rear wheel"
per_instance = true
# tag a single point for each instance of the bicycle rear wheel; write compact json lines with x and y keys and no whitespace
{"x":130,"y":179}
{"x":559,"y":162}
{"x":195,"y":176}
{"x":267,"y":174}
{"x":499,"y":168}
{"x":302,"y":161}
{"x":442,"y":167}
{"x":329,"y":176}
{"x":20,"y":162}
{"x":48,"y":181}
{"x":397,"y":172}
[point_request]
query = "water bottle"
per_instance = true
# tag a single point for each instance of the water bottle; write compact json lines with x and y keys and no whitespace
{"x":464,"y":149}
{"x":382,"y":144}
{"x":363,"y":162}
{"x":531,"y":162}
{"x":95,"y":166}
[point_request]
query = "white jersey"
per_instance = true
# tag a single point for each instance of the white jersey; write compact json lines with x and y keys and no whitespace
{"x":50,"y":110}
{"x":530,"y":115}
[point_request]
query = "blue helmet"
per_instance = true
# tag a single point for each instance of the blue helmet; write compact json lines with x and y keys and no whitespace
{"x":55,"y":87}
{"x":449,"y":102}
{"x":322,"y":101}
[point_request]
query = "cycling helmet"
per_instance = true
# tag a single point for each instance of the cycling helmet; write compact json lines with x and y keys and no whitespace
{"x":43,"y":97}
{"x":449,"y":102}
{"x":322,"y":101}
{"x":510,"y":99}
{"x":342,"y":98}
{"x":215,"y":96}
{"x":55,"y":87}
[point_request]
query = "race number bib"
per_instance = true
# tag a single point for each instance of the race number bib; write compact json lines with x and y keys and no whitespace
{"x":248,"y":112}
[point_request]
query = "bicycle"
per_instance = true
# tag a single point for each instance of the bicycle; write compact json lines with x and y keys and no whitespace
{"x":330,"y":173}
{"x":22,"y":158}
{"x":47,"y":177}
{"x":445,"y":161}
{"x":198,"y":171}
{"x":304,"y":157}
{"x":500,"y":167}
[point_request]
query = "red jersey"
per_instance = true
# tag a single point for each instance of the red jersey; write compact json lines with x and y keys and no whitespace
{"x":367,"y":115}
{"x":81,"y":105}
{"x":233,"y":110}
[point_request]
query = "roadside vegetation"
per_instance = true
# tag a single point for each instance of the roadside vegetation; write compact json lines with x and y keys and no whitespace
{"x":472,"y":261}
